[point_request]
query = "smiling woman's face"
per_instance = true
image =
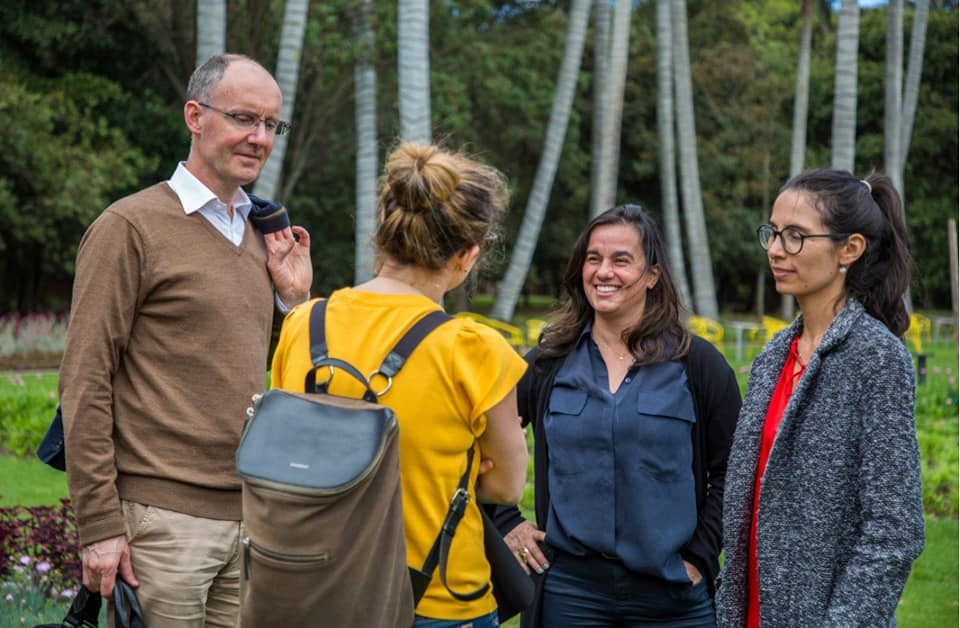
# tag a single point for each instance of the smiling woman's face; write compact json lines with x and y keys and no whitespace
{"x":615,"y":273}
{"x":815,"y":270}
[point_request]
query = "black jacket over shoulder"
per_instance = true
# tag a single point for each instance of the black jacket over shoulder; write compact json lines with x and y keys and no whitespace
{"x":716,"y":399}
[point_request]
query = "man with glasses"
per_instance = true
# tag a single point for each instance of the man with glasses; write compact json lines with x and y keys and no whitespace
{"x":175,"y":301}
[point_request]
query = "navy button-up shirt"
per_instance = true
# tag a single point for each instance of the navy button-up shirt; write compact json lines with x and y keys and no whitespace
{"x":621,"y":464}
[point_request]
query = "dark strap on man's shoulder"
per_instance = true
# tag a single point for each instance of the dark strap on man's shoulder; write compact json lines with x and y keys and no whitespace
{"x":268,"y":216}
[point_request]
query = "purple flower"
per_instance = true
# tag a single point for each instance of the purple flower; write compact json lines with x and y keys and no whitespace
{"x":25,"y":560}
{"x":43,"y":567}
{"x":68,"y":593}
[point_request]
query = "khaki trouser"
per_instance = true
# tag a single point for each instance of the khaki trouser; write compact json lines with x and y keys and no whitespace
{"x":188,"y":567}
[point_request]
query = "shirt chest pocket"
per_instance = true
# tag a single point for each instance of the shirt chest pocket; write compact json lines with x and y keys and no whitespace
{"x":569,"y":401}
{"x":663,"y":434}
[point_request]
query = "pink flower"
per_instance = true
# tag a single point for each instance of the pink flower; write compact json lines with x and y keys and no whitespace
{"x":948,"y":370}
{"x":9,"y":597}
{"x":53,"y":395}
{"x":949,"y":402}
{"x":68,"y":593}
{"x":25,"y":560}
{"x":744,"y":369}
{"x":43,"y":567}
{"x":936,"y":370}
{"x":952,"y":381}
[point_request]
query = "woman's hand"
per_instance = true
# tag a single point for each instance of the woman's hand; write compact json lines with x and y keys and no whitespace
{"x":693,"y":573}
{"x":525,"y":541}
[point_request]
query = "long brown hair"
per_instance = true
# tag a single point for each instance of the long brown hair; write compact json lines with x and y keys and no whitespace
{"x":658,"y":336}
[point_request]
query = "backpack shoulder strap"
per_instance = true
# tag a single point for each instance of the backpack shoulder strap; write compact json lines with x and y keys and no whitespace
{"x":392,"y":363}
{"x":397,"y":357}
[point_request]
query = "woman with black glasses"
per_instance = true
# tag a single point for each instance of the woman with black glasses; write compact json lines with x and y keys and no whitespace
{"x":822,"y":513}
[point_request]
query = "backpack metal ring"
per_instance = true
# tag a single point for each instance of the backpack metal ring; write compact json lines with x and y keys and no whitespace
{"x":327,"y":381}
{"x":381,"y":374}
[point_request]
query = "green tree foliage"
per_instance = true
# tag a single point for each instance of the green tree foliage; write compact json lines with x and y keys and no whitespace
{"x":91,"y":97}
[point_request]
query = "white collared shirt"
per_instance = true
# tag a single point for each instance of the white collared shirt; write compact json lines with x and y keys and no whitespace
{"x":196,"y":197}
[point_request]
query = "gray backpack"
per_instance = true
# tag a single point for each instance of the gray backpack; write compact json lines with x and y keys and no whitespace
{"x":324,"y":540}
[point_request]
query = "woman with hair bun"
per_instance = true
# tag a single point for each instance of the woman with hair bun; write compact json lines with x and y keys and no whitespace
{"x":822,"y":514}
{"x":457,"y":390}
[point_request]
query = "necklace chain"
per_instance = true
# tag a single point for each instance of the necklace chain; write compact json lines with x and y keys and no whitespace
{"x":620,"y":356}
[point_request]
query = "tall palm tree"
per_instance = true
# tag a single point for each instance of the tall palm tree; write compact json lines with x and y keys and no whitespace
{"x":601,"y":63}
{"x":211,"y":29}
{"x":911,"y":88}
{"x":526,"y":242}
{"x":801,"y":100}
{"x":845,"y":86}
{"x":613,"y":100}
{"x":893,"y":94}
{"x":413,"y":56}
{"x":704,"y":293}
{"x":665,"y":137}
{"x":288,"y":68}
{"x":365,"y":87}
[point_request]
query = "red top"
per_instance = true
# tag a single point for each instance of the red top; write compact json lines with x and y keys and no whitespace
{"x":778,"y":403}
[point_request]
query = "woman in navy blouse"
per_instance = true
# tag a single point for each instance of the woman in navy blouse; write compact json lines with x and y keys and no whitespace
{"x":632,"y":418}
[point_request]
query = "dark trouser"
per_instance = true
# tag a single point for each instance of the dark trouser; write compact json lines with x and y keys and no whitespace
{"x":593,"y":591}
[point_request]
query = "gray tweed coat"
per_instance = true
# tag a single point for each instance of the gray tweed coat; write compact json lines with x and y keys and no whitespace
{"x":841,"y":513}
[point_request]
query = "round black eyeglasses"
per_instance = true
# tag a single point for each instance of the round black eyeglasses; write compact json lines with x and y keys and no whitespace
{"x":790,"y":239}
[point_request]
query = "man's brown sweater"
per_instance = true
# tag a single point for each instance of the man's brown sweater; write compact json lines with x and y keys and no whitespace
{"x":168,"y":338}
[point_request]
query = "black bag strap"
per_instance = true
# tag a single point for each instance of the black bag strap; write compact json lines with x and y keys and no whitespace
{"x":127,"y":612}
{"x":391,"y":365}
{"x":440,"y":551}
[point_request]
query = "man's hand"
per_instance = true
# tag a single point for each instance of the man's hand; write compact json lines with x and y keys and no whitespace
{"x":288,"y":260}
{"x":102,"y":560}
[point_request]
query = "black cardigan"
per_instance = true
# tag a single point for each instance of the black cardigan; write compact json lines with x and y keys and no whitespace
{"x":716,"y":398}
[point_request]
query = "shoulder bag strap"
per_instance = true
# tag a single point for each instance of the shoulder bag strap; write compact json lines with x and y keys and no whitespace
{"x":440,"y":551}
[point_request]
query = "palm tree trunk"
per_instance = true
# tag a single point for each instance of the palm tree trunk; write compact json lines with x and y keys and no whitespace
{"x":704,"y":293}
{"x":613,"y":100}
{"x":365,"y":85}
{"x":845,"y":86}
{"x":911,"y":88}
{"x":413,"y":72}
{"x":668,"y":157}
{"x":801,"y":100}
{"x":893,"y":94}
{"x":601,"y":63}
{"x":211,"y":29}
{"x":526,"y":242}
{"x":288,"y":68}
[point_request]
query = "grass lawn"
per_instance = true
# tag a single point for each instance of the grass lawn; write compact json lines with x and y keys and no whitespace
{"x":930,"y":598}
{"x":29,"y":482}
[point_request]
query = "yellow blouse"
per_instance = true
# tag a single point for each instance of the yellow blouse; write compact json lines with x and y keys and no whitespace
{"x":457,"y":373}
